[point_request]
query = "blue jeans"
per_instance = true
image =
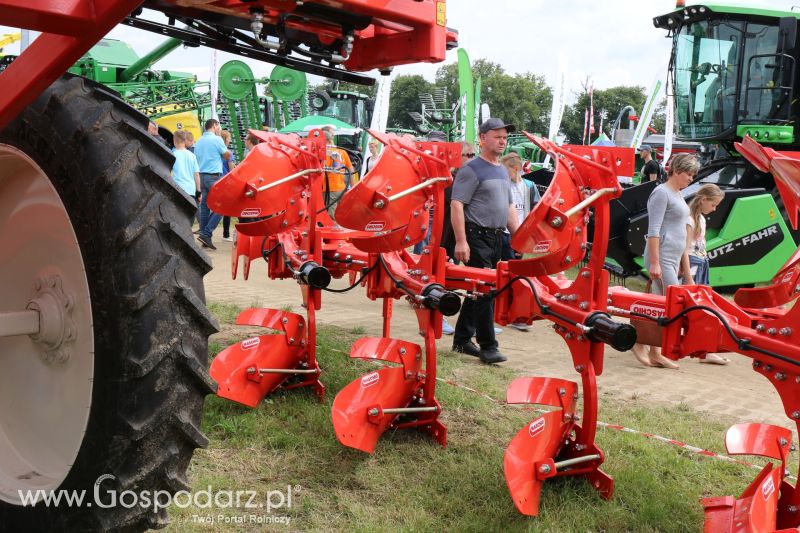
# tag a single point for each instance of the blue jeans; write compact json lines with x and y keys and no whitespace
{"x":700,"y":270}
{"x":424,"y":242}
{"x":508,"y":252}
{"x":208,"y":219}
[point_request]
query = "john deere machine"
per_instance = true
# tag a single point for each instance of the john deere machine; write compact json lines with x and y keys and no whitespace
{"x":734,"y":73}
{"x":103,"y":323}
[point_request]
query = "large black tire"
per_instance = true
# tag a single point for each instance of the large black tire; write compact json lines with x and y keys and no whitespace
{"x":144,"y":273}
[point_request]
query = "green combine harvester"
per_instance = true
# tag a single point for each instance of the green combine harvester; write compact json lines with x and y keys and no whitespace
{"x":734,"y":73}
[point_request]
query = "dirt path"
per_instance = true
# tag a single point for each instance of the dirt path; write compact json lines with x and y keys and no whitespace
{"x":733,"y":390}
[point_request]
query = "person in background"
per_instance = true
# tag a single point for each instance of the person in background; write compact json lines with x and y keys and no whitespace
{"x":338,"y":173}
{"x":152,"y":129}
{"x":481,"y":209}
{"x":374,"y":147}
{"x":227,"y":166}
{"x":705,"y":202}
{"x":250,"y":142}
{"x":185,"y":171}
{"x":651,"y":171}
{"x":189,"y":140}
{"x":434,"y":136}
{"x":665,"y":254}
{"x":524,"y":196}
{"x":210,"y":151}
{"x":448,"y":237}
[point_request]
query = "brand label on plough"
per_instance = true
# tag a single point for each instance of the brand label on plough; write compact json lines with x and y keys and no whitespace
{"x":375,"y":225}
{"x":370,"y":380}
{"x":251,"y":212}
{"x":542,"y":247}
{"x":250,"y":343}
{"x":768,"y":488}
{"x":647,"y":310}
{"x":536,"y":427}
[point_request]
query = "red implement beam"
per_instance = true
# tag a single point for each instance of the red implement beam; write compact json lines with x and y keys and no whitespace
{"x":52,"y":53}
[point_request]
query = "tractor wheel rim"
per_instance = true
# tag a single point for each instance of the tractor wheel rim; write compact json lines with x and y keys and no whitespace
{"x":45,"y":393}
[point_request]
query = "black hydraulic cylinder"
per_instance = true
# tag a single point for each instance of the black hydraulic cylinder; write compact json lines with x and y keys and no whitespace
{"x":314,"y":275}
{"x":605,"y":329}
{"x":437,"y":297}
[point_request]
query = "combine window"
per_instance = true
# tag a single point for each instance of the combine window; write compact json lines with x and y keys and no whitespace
{"x":729,"y":72}
{"x":706,"y":67}
{"x":764,"y":97}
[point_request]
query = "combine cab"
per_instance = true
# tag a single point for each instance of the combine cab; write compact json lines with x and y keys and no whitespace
{"x":103,"y":325}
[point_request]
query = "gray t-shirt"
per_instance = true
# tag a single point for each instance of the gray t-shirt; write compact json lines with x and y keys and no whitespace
{"x":485,"y":191}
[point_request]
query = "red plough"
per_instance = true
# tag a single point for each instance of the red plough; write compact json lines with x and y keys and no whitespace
{"x":387,"y":213}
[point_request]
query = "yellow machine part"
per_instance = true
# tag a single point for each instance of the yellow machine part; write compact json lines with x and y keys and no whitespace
{"x":9,"y":38}
{"x":185,"y":120}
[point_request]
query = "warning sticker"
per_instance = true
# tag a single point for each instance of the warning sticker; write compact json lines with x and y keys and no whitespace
{"x":441,"y":14}
{"x":768,"y":488}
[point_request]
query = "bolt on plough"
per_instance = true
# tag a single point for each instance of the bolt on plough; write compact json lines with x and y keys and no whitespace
{"x":279,"y":187}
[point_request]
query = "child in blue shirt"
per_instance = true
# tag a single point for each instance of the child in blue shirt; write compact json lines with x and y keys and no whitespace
{"x":185,"y":171}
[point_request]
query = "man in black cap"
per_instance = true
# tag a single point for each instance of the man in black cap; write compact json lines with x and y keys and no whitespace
{"x":481,"y":209}
{"x":651,"y":171}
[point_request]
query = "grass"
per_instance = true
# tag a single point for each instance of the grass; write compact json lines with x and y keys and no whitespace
{"x":412,"y":484}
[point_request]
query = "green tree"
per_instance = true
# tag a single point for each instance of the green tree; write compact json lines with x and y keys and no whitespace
{"x":611,"y":100}
{"x":404,"y":97}
{"x":522,"y":99}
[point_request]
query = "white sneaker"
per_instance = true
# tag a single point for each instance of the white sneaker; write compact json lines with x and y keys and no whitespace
{"x":229,"y":239}
{"x":520,"y":326}
{"x":498,"y":331}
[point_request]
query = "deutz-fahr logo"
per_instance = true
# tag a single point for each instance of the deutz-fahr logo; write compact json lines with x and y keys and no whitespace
{"x":536,"y":427}
{"x":370,"y":379}
{"x":375,"y":225}
{"x":648,"y":310}
{"x":250,"y":343}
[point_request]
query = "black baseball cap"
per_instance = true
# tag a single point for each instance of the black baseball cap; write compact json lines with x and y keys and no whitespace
{"x":496,"y":124}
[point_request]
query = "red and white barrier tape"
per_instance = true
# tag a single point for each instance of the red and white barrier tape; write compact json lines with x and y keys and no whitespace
{"x":606,"y":425}
{"x":617,"y":427}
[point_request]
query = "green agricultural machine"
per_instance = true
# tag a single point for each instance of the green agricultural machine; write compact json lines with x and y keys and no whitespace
{"x":287,"y":98}
{"x":173,"y":99}
{"x":734,"y":73}
{"x":436,"y":114}
{"x":177,"y":100}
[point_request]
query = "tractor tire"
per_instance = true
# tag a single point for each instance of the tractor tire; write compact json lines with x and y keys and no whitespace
{"x":97,"y":219}
{"x":319,"y":100}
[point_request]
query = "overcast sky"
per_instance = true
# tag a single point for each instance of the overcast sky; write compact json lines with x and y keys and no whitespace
{"x":611,"y":41}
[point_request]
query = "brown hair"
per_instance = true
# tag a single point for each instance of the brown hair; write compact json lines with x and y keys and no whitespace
{"x":511,"y":158}
{"x":179,"y":137}
{"x":226,"y":137}
{"x":684,"y":163}
{"x":707,"y":191}
{"x":252,"y":139}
